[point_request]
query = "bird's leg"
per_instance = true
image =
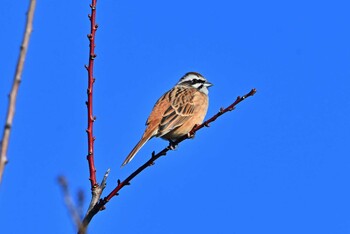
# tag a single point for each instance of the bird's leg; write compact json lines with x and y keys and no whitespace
{"x":172,"y":145}
{"x":192,"y":133}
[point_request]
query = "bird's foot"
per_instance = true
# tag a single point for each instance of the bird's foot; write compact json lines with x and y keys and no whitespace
{"x":172,"y":145}
{"x":191,"y":135}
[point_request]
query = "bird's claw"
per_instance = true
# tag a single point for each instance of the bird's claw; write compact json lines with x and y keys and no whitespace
{"x":191,"y":135}
{"x":172,"y":145}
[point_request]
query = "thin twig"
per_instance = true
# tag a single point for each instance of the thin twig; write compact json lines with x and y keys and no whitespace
{"x":80,"y":203}
{"x":72,"y":209}
{"x":91,"y":80}
{"x":101,"y":204}
{"x":96,"y":189}
{"x":13,"y":94}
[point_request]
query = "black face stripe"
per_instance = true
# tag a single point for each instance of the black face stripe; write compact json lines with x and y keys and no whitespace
{"x":200,"y":87}
{"x":194,"y":81}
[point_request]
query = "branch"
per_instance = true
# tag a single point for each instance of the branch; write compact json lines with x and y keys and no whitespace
{"x":96,"y":189}
{"x":101,"y":204}
{"x":72,"y":209}
{"x":13,"y":94}
{"x":91,"y":80}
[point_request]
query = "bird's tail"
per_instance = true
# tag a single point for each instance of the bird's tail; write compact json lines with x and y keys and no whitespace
{"x":136,"y":149}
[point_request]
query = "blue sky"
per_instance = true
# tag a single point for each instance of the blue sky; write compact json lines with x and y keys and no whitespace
{"x":278,"y":164}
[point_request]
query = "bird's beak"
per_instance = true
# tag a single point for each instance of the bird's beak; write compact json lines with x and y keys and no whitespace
{"x":208,"y":84}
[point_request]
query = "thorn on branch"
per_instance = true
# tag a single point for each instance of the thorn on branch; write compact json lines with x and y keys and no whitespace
{"x":89,"y":16}
{"x":89,"y":36}
{"x":7,"y":126}
{"x":92,"y":7}
{"x":221,"y":110}
{"x":118,"y":181}
{"x":96,"y":26}
{"x":86,"y":103}
{"x":86,"y":67}
{"x":206,"y":125}
{"x":93,"y":56}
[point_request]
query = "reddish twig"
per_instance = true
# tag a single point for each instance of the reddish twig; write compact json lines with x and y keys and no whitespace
{"x":91,"y":80}
{"x":13,"y":94}
{"x":100,"y":205}
{"x":96,"y":189}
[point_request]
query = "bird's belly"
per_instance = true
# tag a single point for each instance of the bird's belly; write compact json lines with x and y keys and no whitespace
{"x":184,"y":129}
{"x":197,"y":118}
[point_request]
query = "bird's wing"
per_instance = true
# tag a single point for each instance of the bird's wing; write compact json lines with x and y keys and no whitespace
{"x":176,"y":106}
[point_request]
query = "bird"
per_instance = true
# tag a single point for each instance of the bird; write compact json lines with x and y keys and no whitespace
{"x":177,"y":111}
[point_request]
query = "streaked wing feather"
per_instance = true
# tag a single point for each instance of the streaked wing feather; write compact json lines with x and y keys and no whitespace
{"x":180,"y":110}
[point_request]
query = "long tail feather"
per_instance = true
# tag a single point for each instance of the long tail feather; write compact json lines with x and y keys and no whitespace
{"x":136,"y":149}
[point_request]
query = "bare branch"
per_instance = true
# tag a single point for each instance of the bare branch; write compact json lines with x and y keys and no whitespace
{"x":13,"y":94}
{"x":81,"y":201}
{"x":101,"y":204}
{"x":72,"y":209}
{"x":96,"y":189}
{"x":91,"y":81}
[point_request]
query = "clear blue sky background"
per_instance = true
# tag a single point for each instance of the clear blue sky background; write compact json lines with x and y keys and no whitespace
{"x":278,"y":164}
